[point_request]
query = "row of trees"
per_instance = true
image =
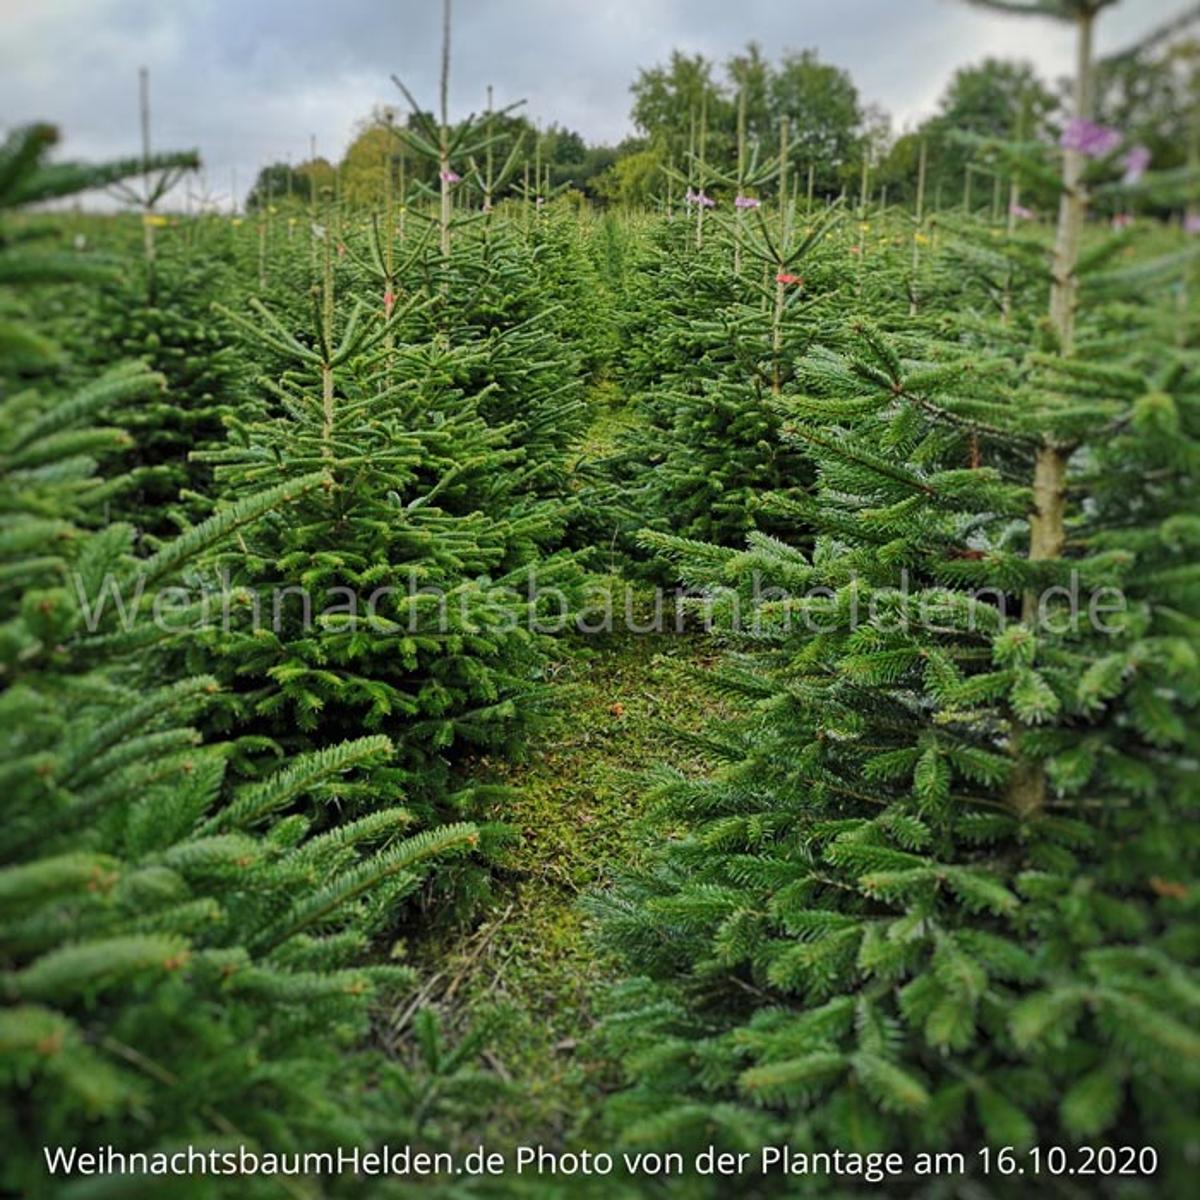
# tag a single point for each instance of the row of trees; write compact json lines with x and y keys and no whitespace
{"x":936,"y":889}
{"x":551,"y":157}
{"x":207,"y":887}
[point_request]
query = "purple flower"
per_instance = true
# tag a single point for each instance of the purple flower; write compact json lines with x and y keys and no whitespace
{"x":1022,"y":213}
{"x":691,"y":197}
{"x":1191,"y":223}
{"x":1135,"y":164}
{"x":1086,"y":137}
{"x":449,"y":176}
{"x":745,"y":202}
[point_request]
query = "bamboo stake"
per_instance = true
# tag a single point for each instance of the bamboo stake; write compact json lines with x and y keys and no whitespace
{"x":327,"y":410}
{"x":487,"y":133}
{"x":444,"y":136}
{"x":861,"y":244}
{"x":263,"y":224}
{"x":1014,"y":187}
{"x":922,"y":161}
{"x":402,"y":189}
{"x":741,"y":175}
{"x":148,"y":245}
{"x":784,"y":232}
{"x":312,"y":208}
{"x":784,"y":209}
{"x":700,"y":171}
{"x":1014,"y":200}
{"x":1190,"y":213}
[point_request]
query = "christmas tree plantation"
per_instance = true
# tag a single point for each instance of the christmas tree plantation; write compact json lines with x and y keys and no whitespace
{"x":693,"y":667}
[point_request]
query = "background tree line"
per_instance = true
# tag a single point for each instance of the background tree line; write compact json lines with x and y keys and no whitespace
{"x":689,"y":106}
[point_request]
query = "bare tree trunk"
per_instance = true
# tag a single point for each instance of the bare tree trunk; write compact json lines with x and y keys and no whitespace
{"x":922,"y":163}
{"x":1073,"y":205}
{"x":1047,"y":529}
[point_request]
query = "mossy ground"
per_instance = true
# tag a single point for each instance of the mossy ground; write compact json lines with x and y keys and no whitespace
{"x":577,"y":805}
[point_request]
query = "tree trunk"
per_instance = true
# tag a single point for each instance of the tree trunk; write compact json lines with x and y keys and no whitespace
{"x":1047,"y":529}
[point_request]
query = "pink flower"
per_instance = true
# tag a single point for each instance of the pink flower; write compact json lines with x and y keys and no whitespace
{"x":1088,"y":138}
{"x":1121,"y":221}
{"x":745,"y":202}
{"x":1022,"y":213}
{"x":699,"y":198}
{"x":449,"y":176}
{"x":1191,"y":223}
{"x":784,"y":277}
{"x":389,"y":301}
{"x":1135,"y":164}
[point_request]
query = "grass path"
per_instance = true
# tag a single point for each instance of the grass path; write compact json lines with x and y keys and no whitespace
{"x":528,"y":970}
{"x":576,"y":814}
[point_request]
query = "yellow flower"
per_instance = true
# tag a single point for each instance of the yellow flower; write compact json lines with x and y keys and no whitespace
{"x":921,"y":240}
{"x":157,"y":220}
{"x":272,"y":209}
{"x":236,"y":222}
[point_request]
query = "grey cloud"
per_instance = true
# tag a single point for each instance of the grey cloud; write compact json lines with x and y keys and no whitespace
{"x":248,"y":81}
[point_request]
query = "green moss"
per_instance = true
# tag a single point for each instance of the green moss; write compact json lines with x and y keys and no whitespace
{"x":576,"y":814}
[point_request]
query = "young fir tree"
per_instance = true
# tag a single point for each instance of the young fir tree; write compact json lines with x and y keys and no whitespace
{"x":414,"y":574}
{"x":941,"y":894}
{"x":711,"y":350}
{"x":175,"y":336}
{"x":443,"y":409}
{"x":494,"y":292}
{"x":178,"y":954}
{"x":501,"y":310}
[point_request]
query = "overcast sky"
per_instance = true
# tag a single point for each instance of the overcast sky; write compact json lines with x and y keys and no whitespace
{"x":248,"y":81}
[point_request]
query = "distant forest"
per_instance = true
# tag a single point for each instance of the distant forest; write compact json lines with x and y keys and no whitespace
{"x":692,"y":105}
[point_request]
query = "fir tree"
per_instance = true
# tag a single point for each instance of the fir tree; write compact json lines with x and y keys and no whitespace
{"x":182,"y":955}
{"x":419,"y":563}
{"x":937,"y":896}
